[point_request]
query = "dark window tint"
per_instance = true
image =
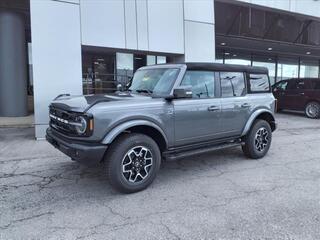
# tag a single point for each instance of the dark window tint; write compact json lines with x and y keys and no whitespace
{"x":232,"y":84}
{"x":316,"y":85}
{"x":300,"y":85}
{"x":202,"y":83}
{"x":259,"y":83}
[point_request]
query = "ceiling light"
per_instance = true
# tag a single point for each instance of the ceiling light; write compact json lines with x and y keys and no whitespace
{"x":270,"y":59}
{"x":270,"y":49}
{"x":226,"y":53}
{"x":223,"y":44}
{"x":234,"y":55}
{"x":308,"y":53}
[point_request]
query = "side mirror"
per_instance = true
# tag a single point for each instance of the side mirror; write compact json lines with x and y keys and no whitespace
{"x":182,"y":92}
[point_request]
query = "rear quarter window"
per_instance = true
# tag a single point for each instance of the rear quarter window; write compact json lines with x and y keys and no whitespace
{"x":259,"y":83}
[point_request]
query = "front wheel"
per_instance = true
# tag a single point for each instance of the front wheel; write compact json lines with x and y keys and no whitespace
{"x":133,"y":161}
{"x":312,"y":110}
{"x":257,"y":142}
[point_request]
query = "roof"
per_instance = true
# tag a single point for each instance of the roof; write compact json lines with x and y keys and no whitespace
{"x":212,"y":67}
{"x":226,"y":67}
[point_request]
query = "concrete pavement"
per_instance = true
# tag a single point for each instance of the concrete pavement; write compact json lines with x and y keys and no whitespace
{"x":221,"y":195}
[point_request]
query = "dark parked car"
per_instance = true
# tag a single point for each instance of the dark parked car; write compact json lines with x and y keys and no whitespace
{"x":170,"y":111}
{"x":299,"y":95}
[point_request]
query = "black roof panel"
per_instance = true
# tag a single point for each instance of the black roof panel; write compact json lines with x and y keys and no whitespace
{"x":226,"y":67}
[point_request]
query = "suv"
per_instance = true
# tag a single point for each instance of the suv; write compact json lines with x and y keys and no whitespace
{"x":168,"y":112}
{"x":300,"y":95}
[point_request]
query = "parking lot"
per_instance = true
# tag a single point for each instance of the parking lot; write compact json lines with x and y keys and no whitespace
{"x":221,"y":195}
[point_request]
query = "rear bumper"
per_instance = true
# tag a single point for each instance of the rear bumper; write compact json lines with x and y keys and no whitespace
{"x":87,"y":153}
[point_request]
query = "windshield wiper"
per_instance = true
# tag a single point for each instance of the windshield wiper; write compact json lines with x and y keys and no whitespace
{"x":144,"y":91}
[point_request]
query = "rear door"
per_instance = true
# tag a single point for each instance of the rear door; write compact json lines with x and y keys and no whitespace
{"x":235,"y":107}
{"x":294,"y":97}
{"x":198,"y":119}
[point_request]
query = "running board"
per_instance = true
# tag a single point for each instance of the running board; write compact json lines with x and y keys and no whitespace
{"x":171,"y":156}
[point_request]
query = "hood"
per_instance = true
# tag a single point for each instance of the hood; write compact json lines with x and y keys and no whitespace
{"x":82,"y":103}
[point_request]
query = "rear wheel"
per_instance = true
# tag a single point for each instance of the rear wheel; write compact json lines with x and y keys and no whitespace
{"x":257,"y":142}
{"x":133,"y":161}
{"x":312,"y":110}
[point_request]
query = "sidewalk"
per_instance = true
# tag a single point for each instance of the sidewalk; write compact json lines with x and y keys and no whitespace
{"x":27,"y":121}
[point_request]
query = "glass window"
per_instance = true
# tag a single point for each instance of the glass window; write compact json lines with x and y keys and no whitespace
{"x":259,"y":83}
{"x":161,"y":59}
{"x":151,"y":60}
{"x":287,"y":71}
{"x":158,"y":81}
{"x":282,"y":85}
{"x":238,"y":61}
{"x":202,"y":83}
{"x":267,"y":62}
{"x":232,"y":84}
{"x":316,"y":85}
{"x":309,"y":69}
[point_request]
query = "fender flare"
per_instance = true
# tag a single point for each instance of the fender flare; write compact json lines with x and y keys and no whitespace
{"x":253,"y":117}
{"x":111,"y":135}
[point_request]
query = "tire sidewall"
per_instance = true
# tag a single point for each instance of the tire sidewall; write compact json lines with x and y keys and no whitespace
{"x":123,"y":146}
{"x":256,"y":126}
{"x":318,"y":112}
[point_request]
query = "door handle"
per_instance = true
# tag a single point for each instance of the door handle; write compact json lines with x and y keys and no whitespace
{"x":245,"y":105}
{"x":213,"y":108}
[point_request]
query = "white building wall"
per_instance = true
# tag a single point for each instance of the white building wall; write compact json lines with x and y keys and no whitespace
{"x":59,"y":28}
{"x":308,"y":7}
{"x":199,"y":31}
{"x":56,"y":55}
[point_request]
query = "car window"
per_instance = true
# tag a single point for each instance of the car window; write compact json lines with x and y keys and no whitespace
{"x":282,"y":86}
{"x":158,"y":80}
{"x":316,"y":85}
{"x":232,"y":84}
{"x":300,"y":85}
{"x":259,"y":83}
{"x":202,"y":83}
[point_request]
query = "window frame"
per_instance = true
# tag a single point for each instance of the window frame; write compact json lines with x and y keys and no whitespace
{"x":216,"y":86}
{"x":244,"y":79}
{"x":249,"y":85}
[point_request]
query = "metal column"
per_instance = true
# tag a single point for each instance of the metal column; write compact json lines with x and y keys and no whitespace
{"x":13,"y":65}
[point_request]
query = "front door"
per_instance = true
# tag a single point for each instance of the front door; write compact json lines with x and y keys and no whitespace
{"x":198,"y":119}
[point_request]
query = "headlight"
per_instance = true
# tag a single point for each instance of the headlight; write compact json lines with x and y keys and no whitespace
{"x":81,"y":126}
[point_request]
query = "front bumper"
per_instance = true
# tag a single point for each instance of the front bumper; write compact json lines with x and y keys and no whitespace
{"x":87,"y":153}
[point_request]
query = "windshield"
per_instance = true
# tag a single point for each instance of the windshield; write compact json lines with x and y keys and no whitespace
{"x":156,"y":81}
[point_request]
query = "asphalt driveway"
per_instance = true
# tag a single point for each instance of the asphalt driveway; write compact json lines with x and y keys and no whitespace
{"x":222,"y":195}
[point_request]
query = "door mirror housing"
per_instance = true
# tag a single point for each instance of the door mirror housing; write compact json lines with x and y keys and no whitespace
{"x":182,"y":92}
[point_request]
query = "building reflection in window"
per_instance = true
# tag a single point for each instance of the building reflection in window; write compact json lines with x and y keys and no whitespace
{"x":309,"y":69}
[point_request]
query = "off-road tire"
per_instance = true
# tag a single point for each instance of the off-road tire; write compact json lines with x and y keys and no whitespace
{"x":119,"y":150}
{"x":252,"y":140}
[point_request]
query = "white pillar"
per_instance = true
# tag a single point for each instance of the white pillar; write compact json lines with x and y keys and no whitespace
{"x":56,"y":54}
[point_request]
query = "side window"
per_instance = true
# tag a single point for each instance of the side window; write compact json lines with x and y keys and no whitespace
{"x":282,"y":85}
{"x":300,"y":85}
{"x":232,"y":84}
{"x":316,"y":85}
{"x":259,"y":83}
{"x":202,"y":83}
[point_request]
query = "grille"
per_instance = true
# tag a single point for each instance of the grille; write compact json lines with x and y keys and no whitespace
{"x":59,"y":120}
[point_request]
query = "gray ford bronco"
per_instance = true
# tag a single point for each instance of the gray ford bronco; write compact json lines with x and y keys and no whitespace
{"x":168,"y":112}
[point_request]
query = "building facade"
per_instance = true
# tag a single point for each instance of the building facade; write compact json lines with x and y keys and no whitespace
{"x":88,"y":46}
